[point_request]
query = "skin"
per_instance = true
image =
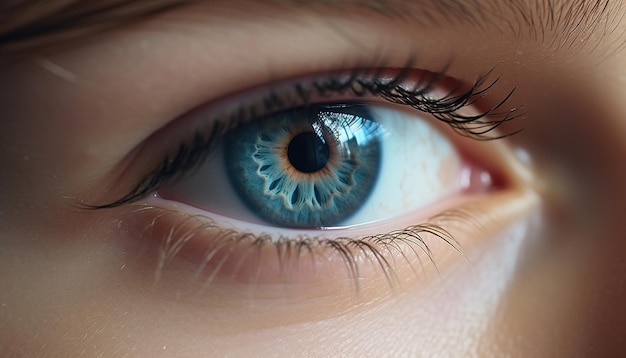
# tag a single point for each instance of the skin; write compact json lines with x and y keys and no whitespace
{"x":542,"y":270}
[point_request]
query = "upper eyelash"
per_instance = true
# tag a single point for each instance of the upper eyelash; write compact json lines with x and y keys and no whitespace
{"x":359,"y":83}
{"x":444,"y":109}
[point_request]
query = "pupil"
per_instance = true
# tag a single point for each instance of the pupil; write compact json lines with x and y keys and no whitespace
{"x":307,"y":152}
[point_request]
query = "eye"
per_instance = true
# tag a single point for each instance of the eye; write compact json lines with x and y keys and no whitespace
{"x":360,"y":173}
{"x":325,"y":166}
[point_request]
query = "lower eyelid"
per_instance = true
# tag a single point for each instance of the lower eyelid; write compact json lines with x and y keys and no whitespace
{"x":215,"y":256}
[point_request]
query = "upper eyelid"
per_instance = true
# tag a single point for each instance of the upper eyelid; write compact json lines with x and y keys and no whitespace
{"x":187,"y":156}
{"x":179,"y":71}
{"x":199,"y":85}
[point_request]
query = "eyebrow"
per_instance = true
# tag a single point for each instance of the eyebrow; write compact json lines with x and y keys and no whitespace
{"x":558,"y":24}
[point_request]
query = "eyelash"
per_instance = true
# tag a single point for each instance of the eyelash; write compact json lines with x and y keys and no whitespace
{"x":290,"y":251}
{"x":382,"y":250}
{"x":359,"y":83}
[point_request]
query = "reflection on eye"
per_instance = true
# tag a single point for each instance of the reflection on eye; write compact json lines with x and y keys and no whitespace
{"x":325,"y":166}
{"x":308,"y":167}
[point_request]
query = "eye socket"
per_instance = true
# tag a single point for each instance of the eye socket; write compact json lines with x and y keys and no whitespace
{"x":325,"y":166}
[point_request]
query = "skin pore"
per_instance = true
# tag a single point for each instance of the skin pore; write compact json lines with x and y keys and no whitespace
{"x":92,"y":100}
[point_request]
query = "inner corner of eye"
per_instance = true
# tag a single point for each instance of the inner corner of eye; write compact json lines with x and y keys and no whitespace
{"x":330,"y":166}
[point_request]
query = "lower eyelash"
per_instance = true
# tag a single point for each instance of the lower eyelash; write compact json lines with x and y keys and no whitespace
{"x":236,"y":252}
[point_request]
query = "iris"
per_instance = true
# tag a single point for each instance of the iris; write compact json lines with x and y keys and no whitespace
{"x":308,"y":167}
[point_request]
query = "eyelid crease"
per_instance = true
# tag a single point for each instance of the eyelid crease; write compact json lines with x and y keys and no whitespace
{"x":358,"y":83}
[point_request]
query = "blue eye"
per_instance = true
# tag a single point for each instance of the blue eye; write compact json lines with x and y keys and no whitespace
{"x":324,"y":166}
{"x":307,"y":167}
{"x":251,"y":184}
